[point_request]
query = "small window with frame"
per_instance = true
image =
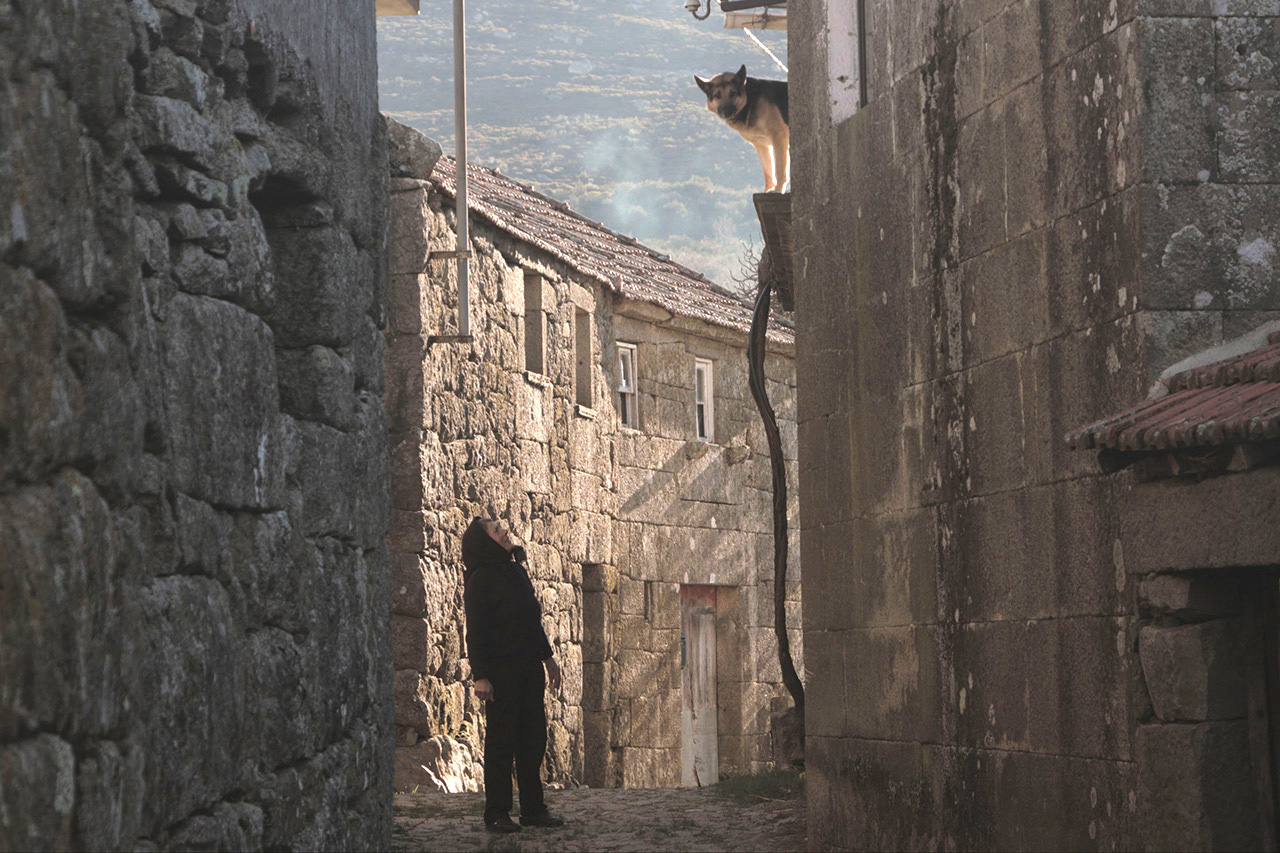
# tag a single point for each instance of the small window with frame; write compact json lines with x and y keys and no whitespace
{"x":627,"y":412}
{"x":704,"y":399}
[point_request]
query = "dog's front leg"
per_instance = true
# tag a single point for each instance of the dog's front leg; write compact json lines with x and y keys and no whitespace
{"x":765,"y":153}
{"x":781,"y":166}
{"x":780,"y":145}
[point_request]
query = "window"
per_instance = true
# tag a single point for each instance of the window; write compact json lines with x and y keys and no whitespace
{"x":627,"y":386}
{"x":535,"y":323}
{"x":862,"y":53}
{"x":847,"y":56}
{"x":704,"y":399}
{"x":582,"y":351}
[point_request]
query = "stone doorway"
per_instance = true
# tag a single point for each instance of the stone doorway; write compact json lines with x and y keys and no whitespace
{"x":1207,"y":747}
{"x":1262,"y":696}
{"x":698,"y":711}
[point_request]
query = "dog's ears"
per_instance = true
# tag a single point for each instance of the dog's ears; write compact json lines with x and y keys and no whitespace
{"x":703,"y":83}
{"x":742,"y":74}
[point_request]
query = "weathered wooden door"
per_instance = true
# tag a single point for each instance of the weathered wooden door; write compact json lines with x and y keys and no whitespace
{"x":699,"y":757}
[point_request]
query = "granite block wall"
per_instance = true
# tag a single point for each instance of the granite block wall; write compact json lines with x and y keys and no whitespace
{"x":194,"y":579}
{"x":1041,"y":207}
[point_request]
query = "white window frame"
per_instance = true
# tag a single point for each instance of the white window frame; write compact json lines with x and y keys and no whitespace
{"x":627,"y":412}
{"x":847,"y":57}
{"x":704,"y":426}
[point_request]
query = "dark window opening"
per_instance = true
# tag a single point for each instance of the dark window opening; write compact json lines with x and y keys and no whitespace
{"x":862,"y":53}
{"x":535,"y":323}
{"x":582,"y":346}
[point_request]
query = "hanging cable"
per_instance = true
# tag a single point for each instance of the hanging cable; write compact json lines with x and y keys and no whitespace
{"x":756,"y":380}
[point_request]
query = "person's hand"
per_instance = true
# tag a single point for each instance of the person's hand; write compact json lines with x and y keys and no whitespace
{"x":484,"y":690}
{"x":553,"y":674}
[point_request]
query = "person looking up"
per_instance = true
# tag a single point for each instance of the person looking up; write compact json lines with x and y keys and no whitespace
{"x":512,"y":665}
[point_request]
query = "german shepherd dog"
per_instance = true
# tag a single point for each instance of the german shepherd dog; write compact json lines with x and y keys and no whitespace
{"x":757,"y":109}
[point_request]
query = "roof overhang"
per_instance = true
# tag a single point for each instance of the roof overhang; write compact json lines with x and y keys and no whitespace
{"x":622,"y":264}
{"x":774,"y":211}
{"x":1217,"y":417}
{"x":738,"y":5}
{"x":754,"y":14}
{"x":391,"y":8}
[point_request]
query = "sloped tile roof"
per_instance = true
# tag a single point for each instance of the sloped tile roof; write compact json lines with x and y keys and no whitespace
{"x":621,"y":263}
{"x":1233,"y":400}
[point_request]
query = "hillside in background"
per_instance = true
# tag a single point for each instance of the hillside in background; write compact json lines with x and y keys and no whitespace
{"x":594,"y":104}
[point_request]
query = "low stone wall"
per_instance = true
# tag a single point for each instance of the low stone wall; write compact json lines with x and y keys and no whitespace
{"x":614,"y":520}
{"x":193,"y":459}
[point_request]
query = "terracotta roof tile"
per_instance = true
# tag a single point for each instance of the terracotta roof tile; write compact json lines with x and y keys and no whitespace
{"x":1233,"y":400}
{"x":619,"y":262}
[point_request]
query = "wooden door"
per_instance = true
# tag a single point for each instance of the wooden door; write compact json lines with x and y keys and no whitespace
{"x":699,"y":757}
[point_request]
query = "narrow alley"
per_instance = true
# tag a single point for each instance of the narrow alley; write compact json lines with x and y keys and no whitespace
{"x":374,"y":419}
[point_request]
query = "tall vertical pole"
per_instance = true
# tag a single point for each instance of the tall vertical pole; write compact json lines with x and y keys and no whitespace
{"x":460,"y":158}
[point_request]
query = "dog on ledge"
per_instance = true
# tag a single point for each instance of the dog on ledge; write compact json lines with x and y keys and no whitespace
{"x":757,"y":109}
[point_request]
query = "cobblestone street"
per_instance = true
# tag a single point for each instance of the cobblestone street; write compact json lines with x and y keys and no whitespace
{"x":601,"y":819}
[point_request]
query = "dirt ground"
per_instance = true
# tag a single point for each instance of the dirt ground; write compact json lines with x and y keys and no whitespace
{"x":600,"y":819}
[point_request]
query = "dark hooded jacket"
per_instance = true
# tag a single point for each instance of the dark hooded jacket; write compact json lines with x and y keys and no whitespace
{"x":504,"y":618}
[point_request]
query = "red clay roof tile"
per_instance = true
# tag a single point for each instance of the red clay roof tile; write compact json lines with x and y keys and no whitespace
{"x":1233,"y":400}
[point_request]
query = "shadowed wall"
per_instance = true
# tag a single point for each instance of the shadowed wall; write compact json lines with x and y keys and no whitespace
{"x":194,"y":582}
{"x":1041,"y":206}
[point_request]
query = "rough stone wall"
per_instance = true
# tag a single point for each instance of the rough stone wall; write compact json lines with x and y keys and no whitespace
{"x":1042,"y":207}
{"x":614,"y":520}
{"x":690,"y":512}
{"x":194,"y":581}
{"x":1210,"y":186}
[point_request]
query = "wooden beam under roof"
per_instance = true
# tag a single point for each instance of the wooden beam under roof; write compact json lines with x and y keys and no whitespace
{"x":757,"y":19}
{"x":391,"y":8}
{"x":739,"y":5}
{"x":774,"y":211}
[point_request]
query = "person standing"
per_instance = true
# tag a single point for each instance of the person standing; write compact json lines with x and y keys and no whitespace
{"x":508,"y":651}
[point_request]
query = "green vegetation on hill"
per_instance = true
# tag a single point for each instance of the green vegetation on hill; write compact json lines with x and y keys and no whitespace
{"x":594,"y":104}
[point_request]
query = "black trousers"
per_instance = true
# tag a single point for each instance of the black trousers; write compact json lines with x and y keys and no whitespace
{"x":516,"y":729}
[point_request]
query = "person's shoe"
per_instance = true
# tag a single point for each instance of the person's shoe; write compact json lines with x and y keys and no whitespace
{"x":502,"y":824}
{"x":546,"y":819}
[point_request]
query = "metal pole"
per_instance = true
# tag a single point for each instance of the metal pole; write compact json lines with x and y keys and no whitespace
{"x":460,"y":158}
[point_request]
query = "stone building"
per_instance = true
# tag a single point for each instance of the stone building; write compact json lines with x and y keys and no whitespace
{"x":194,"y":577}
{"x":1201,"y":536}
{"x":644,"y":503}
{"x":1010,"y":220}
